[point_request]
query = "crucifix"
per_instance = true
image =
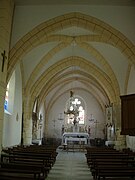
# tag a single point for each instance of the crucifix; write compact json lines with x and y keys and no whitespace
{"x":4,"y":57}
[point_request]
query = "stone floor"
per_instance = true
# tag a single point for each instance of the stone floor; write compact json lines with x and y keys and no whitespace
{"x":70,"y":166}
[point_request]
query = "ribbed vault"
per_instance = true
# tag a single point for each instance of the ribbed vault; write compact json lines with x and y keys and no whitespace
{"x":42,"y":83}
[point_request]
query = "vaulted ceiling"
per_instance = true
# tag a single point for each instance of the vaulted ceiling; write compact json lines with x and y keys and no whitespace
{"x":73,"y":51}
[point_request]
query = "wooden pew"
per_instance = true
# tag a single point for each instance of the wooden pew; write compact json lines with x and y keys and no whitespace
{"x":35,"y":151}
{"x":37,"y":161}
{"x":106,"y":154}
{"x":19,"y":162}
{"x":110,"y":163}
{"x":118,"y":159}
{"x":94,"y":167}
{"x":27,"y":173}
{"x":5,"y":176}
{"x":115,"y":173}
{"x":110,"y":168}
{"x":41,"y":169}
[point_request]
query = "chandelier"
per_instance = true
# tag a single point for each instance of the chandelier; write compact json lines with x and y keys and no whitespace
{"x":72,"y":109}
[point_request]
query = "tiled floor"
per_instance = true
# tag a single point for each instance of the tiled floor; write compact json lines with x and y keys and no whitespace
{"x":70,"y":166}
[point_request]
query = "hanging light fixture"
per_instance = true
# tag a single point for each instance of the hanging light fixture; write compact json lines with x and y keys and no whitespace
{"x":72,"y":108}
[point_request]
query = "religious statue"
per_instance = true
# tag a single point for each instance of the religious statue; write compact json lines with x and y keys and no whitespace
{"x":110,"y":132}
{"x":62,"y":129}
{"x":34,"y":125}
{"x":89,"y":129}
{"x":86,"y":129}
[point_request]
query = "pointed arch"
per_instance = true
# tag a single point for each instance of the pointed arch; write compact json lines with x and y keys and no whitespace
{"x":86,"y":66}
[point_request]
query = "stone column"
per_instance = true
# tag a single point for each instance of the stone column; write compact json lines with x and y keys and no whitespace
{"x":27,"y":121}
{"x":27,"y":130}
{"x":6,"y":13}
{"x":120,"y":140}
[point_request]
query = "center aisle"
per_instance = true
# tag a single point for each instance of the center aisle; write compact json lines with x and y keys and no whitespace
{"x":70,"y":166}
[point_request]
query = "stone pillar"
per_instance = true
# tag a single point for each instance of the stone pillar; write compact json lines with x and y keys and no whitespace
{"x":6,"y":13}
{"x":120,"y":140}
{"x":27,"y":131}
{"x":27,"y":122}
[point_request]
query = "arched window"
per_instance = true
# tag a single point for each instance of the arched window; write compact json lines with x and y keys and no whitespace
{"x":75,"y":111}
{"x":81,"y":115}
{"x":6,"y":98}
{"x":10,"y":95}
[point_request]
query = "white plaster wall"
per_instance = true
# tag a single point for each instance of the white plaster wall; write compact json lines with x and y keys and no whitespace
{"x":7,"y":132}
{"x":12,"y":123}
{"x":8,"y":115}
{"x":93,"y":107}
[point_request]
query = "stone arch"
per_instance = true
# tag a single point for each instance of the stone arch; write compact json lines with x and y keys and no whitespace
{"x":59,"y":81}
{"x":83,"y":64}
{"x":68,"y":62}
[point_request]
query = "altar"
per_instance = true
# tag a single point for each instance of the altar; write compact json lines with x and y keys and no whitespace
{"x":75,"y":137}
